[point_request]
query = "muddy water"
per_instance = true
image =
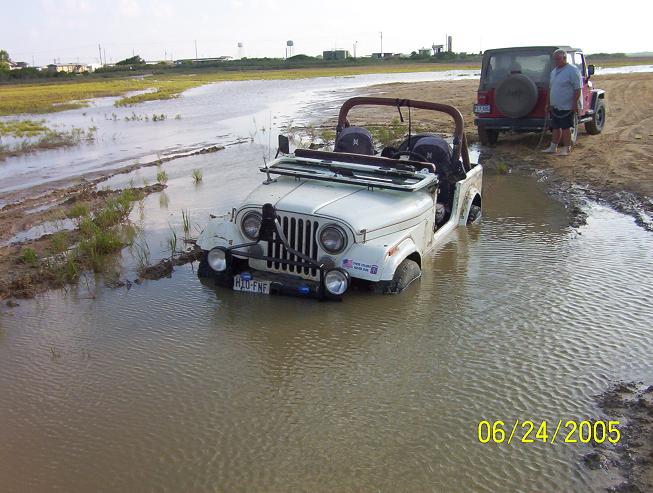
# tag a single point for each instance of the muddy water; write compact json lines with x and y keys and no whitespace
{"x":175,"y":385}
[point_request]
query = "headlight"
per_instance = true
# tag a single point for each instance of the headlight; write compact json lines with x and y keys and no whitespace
{"x":252,"y":224}
{"x":336,"y":282}
{"x":217,"y":259}
{"x":333,"y":239}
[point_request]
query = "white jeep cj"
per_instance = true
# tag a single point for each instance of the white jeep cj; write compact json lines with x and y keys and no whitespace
{"x":331,"y":221}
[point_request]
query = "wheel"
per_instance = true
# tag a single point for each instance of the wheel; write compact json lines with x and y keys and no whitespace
{"x":595,"y":125}
{"x":488,"y":136}
{"x":474,"y":214}
{"x":407,"y":272}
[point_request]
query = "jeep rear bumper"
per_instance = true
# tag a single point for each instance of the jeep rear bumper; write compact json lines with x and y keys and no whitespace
{"x":507,"y":124}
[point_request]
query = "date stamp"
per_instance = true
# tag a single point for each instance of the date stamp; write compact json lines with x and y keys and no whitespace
{"x":531,"y":431}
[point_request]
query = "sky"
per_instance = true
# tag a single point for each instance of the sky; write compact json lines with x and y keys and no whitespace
{"x":70,"y":30}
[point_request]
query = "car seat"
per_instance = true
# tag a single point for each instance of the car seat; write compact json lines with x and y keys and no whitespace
{"x":356,"y":140}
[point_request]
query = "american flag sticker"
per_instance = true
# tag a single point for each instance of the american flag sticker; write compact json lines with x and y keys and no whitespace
{"x":348,"y":263}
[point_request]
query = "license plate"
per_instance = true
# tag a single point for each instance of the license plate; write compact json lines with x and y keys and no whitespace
{"x":481,"y":108}
{"x":251,"y":285}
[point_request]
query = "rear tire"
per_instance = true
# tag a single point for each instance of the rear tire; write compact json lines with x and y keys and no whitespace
{"x":488,"y":136}
{"x":474,"y":214}
{"x":596,"y":124}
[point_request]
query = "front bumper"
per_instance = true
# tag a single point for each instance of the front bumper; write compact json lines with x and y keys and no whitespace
{"x":507,"y":124}
{"x":280,"y":284}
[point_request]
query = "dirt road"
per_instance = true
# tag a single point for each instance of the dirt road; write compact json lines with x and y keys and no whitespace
{"x":615,"y":167}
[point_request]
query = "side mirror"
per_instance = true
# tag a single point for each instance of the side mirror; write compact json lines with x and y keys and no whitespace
{"x":590,"y":70}
{"x":284,"y":145}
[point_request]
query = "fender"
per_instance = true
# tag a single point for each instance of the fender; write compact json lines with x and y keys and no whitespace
{"x":220,"y":231}
{"x":473,"y":197}
{"x":596,"y":95}
{"x":396,"y":256}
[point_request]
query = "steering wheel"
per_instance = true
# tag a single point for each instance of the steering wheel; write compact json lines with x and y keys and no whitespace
{"x":411,"y":155}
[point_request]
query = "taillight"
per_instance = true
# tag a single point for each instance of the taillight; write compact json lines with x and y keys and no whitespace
{"x":482,"y":97}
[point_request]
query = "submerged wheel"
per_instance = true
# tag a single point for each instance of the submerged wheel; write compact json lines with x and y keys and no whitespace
{"x":474,"y":214}
{"x":488,"y":136}
{"x":596,"y":124}
{"x":407,"y":272}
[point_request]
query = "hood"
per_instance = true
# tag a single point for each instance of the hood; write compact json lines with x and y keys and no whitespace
{"x":357,"y":206}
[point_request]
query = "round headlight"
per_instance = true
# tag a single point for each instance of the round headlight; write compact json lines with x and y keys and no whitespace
{"x":336,"y":282}
{"x":252,"y":224}
{"x":333,"y":239}
{"x":217,"y":259}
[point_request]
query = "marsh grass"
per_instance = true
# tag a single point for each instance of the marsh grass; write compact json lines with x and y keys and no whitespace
{"x":22,"y":128}
{"x":59,"y":242}
{"x":161,"y":175}
{"x":46,"y":138}
{"x":197,"y":175}
{"x":59,"y":96}
{"x":28,"y":256}
{"x":172,"y":242}
{"x":185,"y":221}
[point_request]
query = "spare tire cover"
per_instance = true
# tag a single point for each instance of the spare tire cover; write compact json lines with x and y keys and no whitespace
{"x":516,"y":96}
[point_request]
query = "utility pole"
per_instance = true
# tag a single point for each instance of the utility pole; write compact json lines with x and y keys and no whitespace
{"x":381,"y":33}
{"x":355,"y":44}
{"x":195,"y":50}
{"x":104,"y":50}
{"x":100,"y":50}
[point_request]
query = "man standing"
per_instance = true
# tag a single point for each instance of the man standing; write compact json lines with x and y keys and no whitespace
{"x":565,"y":88}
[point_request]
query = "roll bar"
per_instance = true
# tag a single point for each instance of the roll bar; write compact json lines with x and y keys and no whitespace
{"x":460,"y":150}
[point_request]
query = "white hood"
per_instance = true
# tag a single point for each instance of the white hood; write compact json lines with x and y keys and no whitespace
{"x":357,"y":206}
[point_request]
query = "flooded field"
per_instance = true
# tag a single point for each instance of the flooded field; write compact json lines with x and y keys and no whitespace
{"x":177,"y":385}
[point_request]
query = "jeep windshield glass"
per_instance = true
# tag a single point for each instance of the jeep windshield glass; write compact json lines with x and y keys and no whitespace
{"x":355,"y":174}
{"x":536,"y":66}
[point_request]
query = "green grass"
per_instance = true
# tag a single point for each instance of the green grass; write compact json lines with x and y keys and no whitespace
{"x":59,"y":242}
{"x":28,"y":256}
{"x":38,"y":137}
{"x":197,"y":175}
{"x":161,"y":175}
{"x":77,"y":211}
{"x":185,"y":221}
{"x":22,"y":128}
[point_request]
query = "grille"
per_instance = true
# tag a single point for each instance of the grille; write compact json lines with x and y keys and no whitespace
{"x":301,"y":235}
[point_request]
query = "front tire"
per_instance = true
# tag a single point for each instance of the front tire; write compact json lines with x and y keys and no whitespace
{"x":488,"y":136}
{"x":407,"y":272}
{"x":596,"y":124}
{"x":474,"y":214}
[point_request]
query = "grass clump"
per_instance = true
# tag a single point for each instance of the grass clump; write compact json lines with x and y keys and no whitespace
{"x":22,"y":128}
{"x":161,"y":175}
{"x":78,"y":210}
{"x":197,"y":175}
{"x":28,"y":257}
{"x":58,"y":242}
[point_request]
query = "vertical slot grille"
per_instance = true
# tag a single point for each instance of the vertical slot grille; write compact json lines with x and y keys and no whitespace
{"x":300,"y":234}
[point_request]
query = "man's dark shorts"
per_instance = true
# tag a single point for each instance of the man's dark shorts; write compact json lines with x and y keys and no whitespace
{"x":561,"y":118}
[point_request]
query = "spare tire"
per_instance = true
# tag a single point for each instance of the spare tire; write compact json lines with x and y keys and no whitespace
{"x":516,"y":96}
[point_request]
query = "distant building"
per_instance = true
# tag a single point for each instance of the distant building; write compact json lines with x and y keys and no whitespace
{"x":17,"y":65}
{"x":449,"y":44}
{"x":424,"y":52}
{"x":335,"y":55}
{"x":69,"y":68}
{"x":386,"y":55}
{"x":437,"y":49}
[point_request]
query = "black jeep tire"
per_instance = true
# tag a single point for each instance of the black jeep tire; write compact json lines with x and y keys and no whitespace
{"x":516,"y":96}
{"x":487,"y":136}
{"x":407,"y":272}
{"x":474,"y":214}
{"x":596,"y":124}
